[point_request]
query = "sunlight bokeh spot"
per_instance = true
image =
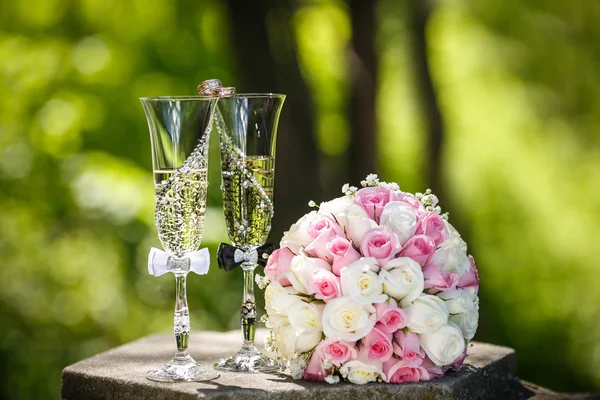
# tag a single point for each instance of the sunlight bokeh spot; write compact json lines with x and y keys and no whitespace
{"x":57,"y":117}
{"x":105,"y":186}
{"x":91,"y":55}
{"x":16,"y":161}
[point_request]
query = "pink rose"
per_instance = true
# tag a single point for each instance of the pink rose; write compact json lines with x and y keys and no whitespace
{"x":429,"y":370}
{"x":324,"y":224}
{"x":322,"y":231}
{"x":396,"y":371}
{"x":380,"y":243}
{"x":390,"y":317}
{"x":378,"y":345}
{"x":324,"y":285}
{"x":411,"y":200}
{"x":471,"y":278}
{"x":314,"y":370}
{"x":420,"y":248}
{"x":343,"y":253}
{"x":432,"y":225}
{"x":278,"y":265}
{"x":458,"y":363}
{"x":336,"y":351}
{"x":439,"y":280}
{"x":407,"y":346}
{"x":372,"y":200}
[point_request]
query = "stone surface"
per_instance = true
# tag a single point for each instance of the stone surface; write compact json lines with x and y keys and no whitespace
{"x":120,"y":374}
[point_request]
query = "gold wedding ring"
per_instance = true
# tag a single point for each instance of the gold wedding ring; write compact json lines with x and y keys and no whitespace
{"x":213,"y":87}
{"x":224,"y":91}
{"x":207,"y":87}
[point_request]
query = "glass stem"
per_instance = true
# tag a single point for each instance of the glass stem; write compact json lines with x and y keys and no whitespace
{"x":248,"y":313}
{"x":181,"y":318}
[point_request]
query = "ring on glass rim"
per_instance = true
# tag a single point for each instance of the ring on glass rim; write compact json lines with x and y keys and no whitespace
{"x":209,"y":84}
{"x":224,"y":91}
{"x":206,"y":93}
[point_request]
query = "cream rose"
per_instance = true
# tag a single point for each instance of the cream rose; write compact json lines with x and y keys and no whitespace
{"x":335,"y":206}
{"x":426,"y":314}
{"x":360,"y":372}
{"x":290,"y":342}
{"x":355,"y":222}
{"x":298,"y":237}
{"x":361,"y":282}
{"x":459,"y":301}
{"x":306,"y":316}
{"x":443,"y":346}
{"x":348,"y":320}
{"x":451,"y":256}
{"x":467,"y":323}
{"x":401,"y":218}
{"x":402,"y":279}
{"x":279,"y":300}
{"x":302,"y":268}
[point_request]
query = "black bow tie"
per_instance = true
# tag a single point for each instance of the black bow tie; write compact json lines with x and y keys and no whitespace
{"x":230,"y":257}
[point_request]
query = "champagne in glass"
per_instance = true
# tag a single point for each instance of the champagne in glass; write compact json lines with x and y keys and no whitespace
{"x":244,"y":200}
{"x":247,"y":125}
{"x":179,"y":133}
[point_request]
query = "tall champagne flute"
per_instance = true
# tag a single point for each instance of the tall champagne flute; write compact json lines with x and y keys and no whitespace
{"x":247,"y":125}
{"x":179,"y":132}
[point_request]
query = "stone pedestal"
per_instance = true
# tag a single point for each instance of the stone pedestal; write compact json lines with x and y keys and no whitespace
{"x":489,"y":372}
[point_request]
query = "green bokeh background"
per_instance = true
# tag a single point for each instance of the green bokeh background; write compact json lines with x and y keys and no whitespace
{"x":519,"y":90}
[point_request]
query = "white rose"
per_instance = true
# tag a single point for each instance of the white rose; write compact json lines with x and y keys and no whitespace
{"x":298,"y":237}
{"x":467,"y":323}
{"x":359,"y":372}
{"x":451,"y":256}
{"x":402,"y":279}
{"x":443,"y":346}
{"x":426,"y":314}
{"x":452,"y":232}
{"x":401,"y":218}
{"x":348,"y":320}
{"x":355,"y":222}
{"x":290,"y":342}
{"x":301,"y":268}
{"x":306,"y":316}
{"x":361,"y":282}
{"x":279,"y":300}
{"x":335,"y":206}
{"x":459,"y":301}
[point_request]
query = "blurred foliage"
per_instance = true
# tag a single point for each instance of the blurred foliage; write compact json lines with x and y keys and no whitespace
{"x":518,"y":84}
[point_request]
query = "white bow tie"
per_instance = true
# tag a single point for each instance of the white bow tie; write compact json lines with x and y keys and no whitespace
{"x":160,"y":262}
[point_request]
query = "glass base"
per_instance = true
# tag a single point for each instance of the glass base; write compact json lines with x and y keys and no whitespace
{"x":185,"y":370}
{"x":248,"y":359}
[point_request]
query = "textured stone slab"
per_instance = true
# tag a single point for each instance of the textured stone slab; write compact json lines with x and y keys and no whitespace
{"x":120,"y":374}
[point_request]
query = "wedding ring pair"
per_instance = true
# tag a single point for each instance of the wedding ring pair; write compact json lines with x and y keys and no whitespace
{"x":213,"y":87}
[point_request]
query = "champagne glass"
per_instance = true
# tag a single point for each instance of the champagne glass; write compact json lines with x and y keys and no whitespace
{"x":247,"y":125}
{"x":179,"y":133}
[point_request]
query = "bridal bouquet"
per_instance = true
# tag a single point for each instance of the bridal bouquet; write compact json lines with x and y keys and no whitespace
{"x":374,"y":286}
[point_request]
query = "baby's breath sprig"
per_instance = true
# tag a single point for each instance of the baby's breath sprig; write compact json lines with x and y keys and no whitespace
{"x":262,"y":281}
{"x":270,"y":344}
{"x":391,"y":186}
{"x":370,"y":180}
{"x":312,"y":204}
{"x":430,"y":202}
{"x":349,"y":190}
{"x":296,"y":365}
{"x":332,"y":379}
